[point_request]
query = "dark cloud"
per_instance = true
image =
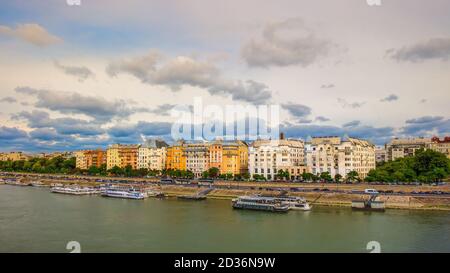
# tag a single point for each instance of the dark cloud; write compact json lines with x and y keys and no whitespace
{"x":321,"y":118}
{"x":179,"y":71}
{"x":9,"y":133}
{"x":297,"y":110}
{"x":285,"y":43}
{"x":327,"y":86}
{"x":304,"y":120}
{"x":63,"y":126}
{"x":352,"y":123}
{"x":389,"y":98}
{"x":345,"y":104}
{"x":377,"y":135}
{"x":46,"y":134}
{"x":133,"y":133}
{"x":80,"y":72}
{"x":8,"y":100}
{"x":425,"y":119}
{"x":75,"y":103}
{"x":426,"y":126}
{"x":435,"y":48}
{"x":163,"y":109}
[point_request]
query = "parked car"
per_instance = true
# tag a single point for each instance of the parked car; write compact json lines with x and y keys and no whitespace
{"x":371,"y":191}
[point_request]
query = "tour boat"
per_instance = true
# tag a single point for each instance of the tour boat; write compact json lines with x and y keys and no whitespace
{"x":295,"y":203}
{"x":74,"y":190}
{"x":127,"y":193}
{"x":259,"y":203}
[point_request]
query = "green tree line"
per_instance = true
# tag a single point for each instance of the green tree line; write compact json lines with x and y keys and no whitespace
{"x":425,"y":166}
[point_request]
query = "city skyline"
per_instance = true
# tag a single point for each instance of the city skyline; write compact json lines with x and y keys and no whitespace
{"x":82,"y":77}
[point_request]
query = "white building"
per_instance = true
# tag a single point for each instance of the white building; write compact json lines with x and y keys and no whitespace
{"x":152,"y":154}
{"x":267,"y":157}
{"x":340,"y":156}
{"x":197,"y":157}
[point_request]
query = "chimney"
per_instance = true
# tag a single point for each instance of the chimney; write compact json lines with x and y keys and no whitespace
{"x":281,"y":136}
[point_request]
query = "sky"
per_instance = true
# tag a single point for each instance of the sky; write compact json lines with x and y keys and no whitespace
{"x":85,"y":76}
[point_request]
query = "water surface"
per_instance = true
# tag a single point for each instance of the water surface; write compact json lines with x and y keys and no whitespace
{"x":35,"y":220}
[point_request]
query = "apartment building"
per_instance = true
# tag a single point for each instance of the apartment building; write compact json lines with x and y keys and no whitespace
{"x":197,"y":157}
{"x":442,"y":146}
{"x":401,"y":147}
{"x":13,"y":156}
{"x":337,"y":155}
{"x":230,"y":157}
{"x":87,"y":158}
{"x":122,"y":155}
{"x":175,"y":157}
{"x":152,"y":154}
{"x":267,"y":157}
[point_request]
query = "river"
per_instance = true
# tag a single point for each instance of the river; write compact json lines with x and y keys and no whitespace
{"x":35,"y":220}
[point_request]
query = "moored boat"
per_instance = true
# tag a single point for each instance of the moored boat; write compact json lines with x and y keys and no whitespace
{"x":259,"y":203}
{"x":74,"y":190}
{"x":126,"y":193}
{"x":295,"y":203}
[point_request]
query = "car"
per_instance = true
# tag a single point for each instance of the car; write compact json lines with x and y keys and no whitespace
{"x":371,"y":191}
{"x":316,"y":189}
{"x":325,"y":189}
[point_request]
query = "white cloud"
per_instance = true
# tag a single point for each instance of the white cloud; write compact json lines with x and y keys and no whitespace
{"x":176,"y":72}
{"x":285,"y":43}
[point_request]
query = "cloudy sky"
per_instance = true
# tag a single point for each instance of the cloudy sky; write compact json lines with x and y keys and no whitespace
{"x":110,"y":71}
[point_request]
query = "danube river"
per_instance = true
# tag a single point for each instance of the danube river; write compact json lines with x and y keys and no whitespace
{"x":35,"y":220}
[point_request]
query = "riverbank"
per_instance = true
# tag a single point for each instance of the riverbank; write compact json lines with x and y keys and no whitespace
{"x":326,"y":199}
{"x":340,"y":197}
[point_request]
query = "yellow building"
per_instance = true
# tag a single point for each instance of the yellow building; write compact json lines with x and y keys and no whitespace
{"x":233,"y":155}
{"x":13,"y":156}
{"x":122,"y":155}
{"x":80,"y":160}
{"x":175,"y":158}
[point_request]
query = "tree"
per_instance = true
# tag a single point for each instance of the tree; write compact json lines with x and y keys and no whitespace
{"x":282,"y":174}
{"x":246,"y":176}
{"x":307,"y":176}
{"x":213,"y":172}
{"x":325,"y":176}
{"x":338,"y":178}
{"x":425,"y":166}
{"x":352,"y":176}
{"x":93,"y":170}
{"x":258,"y":177}
{"x":116,"y":171}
